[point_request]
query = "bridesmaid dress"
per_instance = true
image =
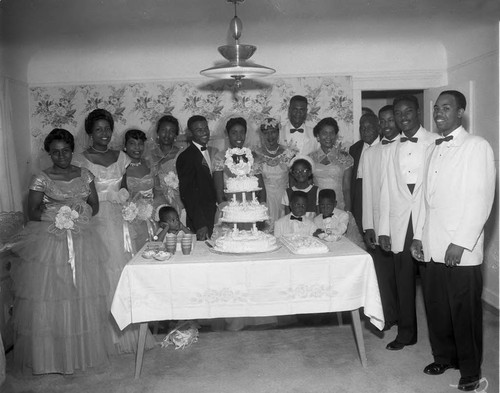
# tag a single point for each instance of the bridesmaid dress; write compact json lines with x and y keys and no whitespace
{"x":60,"y":317}
{"x":110,"y":227}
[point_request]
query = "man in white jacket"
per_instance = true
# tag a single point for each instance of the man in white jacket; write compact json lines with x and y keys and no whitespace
{"x":374,"y":165}
{"x":458,"y":192}
{"x":399,"y":208}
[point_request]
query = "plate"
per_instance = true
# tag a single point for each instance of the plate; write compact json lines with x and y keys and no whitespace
{"x":163,"y":257}
{"x":213,"y":250}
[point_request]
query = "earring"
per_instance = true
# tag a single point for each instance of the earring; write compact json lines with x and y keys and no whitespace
{"x":124,"y":149}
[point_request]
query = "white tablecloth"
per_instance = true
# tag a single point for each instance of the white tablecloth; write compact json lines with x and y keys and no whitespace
{"x":210,"y":285}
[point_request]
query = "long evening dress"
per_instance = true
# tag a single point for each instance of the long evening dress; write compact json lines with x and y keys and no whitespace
{"x":110,"y":227}
{"x":141,"y":191}
{"x":331,"y":175}
{"x":275,"y":174}
{"x":60,"y":322}
{"x":165,"y":193}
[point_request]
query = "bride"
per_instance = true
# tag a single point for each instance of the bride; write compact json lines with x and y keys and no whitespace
{"x":108,"y":167}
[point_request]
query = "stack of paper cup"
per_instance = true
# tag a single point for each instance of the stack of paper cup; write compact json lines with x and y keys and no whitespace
{"x":171,"y":243}
{"x":186,"y":244}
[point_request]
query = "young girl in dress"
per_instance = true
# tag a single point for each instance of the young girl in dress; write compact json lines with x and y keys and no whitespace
{"x":301,"y":171}
{"x":60,"y":314}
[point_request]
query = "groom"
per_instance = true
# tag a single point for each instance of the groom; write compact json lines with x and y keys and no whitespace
{"x":196,"y":186}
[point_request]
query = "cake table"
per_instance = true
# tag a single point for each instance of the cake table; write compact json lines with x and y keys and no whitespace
{"x":205,"y":285}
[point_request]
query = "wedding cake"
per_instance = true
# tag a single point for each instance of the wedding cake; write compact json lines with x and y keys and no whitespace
{"x":243,"y":208}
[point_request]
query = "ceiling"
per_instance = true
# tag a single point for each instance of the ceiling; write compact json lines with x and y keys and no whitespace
{"x":38,"y":21}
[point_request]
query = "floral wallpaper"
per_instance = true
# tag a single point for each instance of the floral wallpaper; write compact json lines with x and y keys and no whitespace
{"x":140,"y":105}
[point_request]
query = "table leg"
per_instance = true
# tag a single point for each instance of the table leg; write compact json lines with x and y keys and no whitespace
{"x":356,"y":322}
{"x":140,"y":349}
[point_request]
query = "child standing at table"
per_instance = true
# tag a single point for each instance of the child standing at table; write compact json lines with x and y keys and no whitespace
{"x":297,"y":221}
{"x":330,"y":219}
{"x":301,"y":171}
{"x":169,"y":222}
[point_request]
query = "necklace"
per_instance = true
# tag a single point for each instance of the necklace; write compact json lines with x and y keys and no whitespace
{"x":136,"y":164}
{"x":168,"y":152}
{"x":100,"y":151}
{"x":272,"y":151}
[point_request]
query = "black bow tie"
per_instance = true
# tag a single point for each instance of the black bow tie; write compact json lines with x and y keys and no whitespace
{"x":292,"y":130}
{"x":295,"y":218}
{"x":328,"y":216}
{"x":445,"y":139}
{"x":386,"y":141}
{"x":404,"y":139}
{"x":203,"y":148}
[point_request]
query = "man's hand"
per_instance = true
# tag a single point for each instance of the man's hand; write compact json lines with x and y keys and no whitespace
{"x":453,"y":255}
{"x":202,"y":233}
{"x":385,"y":242}
{"x":370,"y":238}
{"x":416,"y":250}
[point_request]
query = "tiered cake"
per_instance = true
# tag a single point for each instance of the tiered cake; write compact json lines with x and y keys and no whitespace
{"x":243,"y":208}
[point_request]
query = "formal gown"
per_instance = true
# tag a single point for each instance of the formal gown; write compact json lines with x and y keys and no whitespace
{"x":61,"y":315}
{"x":141,"y":191}
{"x":110,"y":226}
{"x":167,"y":186}
{"x":275,"y":174}
{"x":331,"y":174}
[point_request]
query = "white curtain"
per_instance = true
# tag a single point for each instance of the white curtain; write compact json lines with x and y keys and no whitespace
{"x":10,"y":186}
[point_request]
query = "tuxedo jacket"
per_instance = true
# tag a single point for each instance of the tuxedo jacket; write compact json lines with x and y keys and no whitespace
{"x":196,"y":187}
{"x":458,"y":190}
{"x":397,"y":202}
{"x":356,"y":186}
{"x":374,"y":165}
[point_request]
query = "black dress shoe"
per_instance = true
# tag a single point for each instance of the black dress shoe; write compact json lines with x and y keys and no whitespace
{"x":437,"y":368}
{"x":468,"y":384}
{"x":396,"y":345}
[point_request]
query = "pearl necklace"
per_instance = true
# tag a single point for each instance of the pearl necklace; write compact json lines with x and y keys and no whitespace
{"x":272,"y":151}
{"x":100,"y":151}
{"x":136,"y":164}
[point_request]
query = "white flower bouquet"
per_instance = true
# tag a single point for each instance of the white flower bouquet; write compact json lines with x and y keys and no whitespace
{"x":65,"y":218}
{"x":130,"y":211}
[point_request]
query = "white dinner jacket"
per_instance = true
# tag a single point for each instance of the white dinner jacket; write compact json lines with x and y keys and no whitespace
{"x":458,"y":194}
{"x":397,"y":203}
{"x":305,"y":142}
{"x":374,"y":164}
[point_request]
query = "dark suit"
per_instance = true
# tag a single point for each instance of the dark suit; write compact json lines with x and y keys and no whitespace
{"x":197,"y":189}
{"x":356,"y":184}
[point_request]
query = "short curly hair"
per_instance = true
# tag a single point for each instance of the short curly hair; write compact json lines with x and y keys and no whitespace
{"x":236,"y":121}
{"x":168,"y":119}
{"x":327,"y":121}
{"x":135,"y":134}
{"x":96,"y":115}
{"x":59,"y":134}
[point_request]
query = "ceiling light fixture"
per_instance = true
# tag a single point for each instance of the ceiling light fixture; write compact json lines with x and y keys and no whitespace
{"x":237,"y":66}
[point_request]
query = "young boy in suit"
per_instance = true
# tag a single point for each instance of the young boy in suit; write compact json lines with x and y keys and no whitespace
{"x":296,"y":222}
